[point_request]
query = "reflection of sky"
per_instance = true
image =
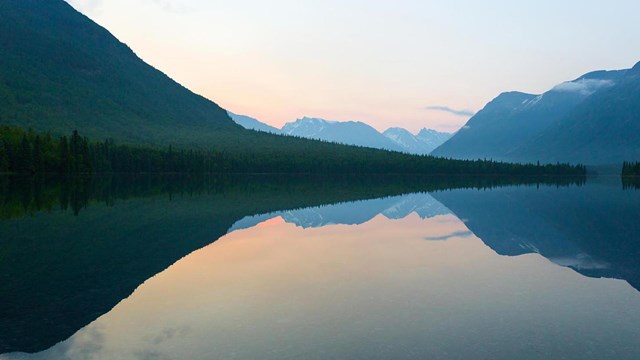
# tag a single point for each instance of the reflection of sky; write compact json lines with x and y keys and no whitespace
{"x":375,"y":290}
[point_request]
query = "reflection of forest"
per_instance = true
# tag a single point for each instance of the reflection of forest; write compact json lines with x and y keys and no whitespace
{"x":26,"y":195}
{"x":86,"y":244}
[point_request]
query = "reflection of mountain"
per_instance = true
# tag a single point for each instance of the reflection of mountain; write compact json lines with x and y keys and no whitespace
{"x":352,"y":213}
{"x":59,"y":272}
{"x":592,"y":229}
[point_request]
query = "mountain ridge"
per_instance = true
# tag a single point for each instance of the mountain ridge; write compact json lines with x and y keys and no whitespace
{"x":520,"y":127}
{"x":393,"y":139}
{"x":60,"y":71}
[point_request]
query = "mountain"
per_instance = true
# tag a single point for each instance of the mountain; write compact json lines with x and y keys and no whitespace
{"x":59,"y":71}
{"x":603,"y":129}
{"x":361,"y":134}
{"x":250,"y":123}
{"x":423,"y":143}
{"x":352,"y":133}
{"x":433,"y":138}
{"x":513,"y":119}
{"x":343,"y":132}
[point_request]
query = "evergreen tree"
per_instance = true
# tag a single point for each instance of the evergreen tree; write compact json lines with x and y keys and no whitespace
{"x":65,"y":157}
{"x":4,"y":160}
{"x":24,"y":158}
{"x":38,"y":162}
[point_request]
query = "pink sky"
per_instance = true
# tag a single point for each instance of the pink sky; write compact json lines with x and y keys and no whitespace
{"x":375,"y":61}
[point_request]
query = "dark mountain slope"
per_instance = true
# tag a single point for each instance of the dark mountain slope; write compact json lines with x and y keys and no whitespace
{"x":513,"y":119}
{"x":474,"y":140}
{"x":59,"y":71}
{"x":603,"y":129}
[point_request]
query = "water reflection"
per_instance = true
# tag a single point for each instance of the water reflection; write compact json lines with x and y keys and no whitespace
{"x":332,"y":268}
{"x":71,"y":249}
{"x":375,"y":290}
{"x":594,"y":230}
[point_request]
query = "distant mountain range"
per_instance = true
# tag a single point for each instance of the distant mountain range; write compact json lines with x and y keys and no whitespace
{"x":594,"y":119}
{"x":352,"y":133}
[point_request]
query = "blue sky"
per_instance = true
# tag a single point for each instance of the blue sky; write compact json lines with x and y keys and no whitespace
{"x":388,"y":63}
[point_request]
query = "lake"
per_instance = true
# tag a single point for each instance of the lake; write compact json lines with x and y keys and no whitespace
{"x":330,"y":268}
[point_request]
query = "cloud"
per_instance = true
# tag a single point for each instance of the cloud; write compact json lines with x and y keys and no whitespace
{"x":462,"y":234}
{"x":584,"y":86}
{"x":465,"y":113}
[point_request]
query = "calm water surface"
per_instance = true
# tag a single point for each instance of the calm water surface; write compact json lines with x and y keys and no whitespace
{"x":529,"y":272}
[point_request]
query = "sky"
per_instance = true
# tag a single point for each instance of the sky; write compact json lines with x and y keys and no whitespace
{"x":406,"y":63}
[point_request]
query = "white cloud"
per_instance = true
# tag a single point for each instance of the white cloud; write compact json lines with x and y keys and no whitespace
{"x":584,"y":86}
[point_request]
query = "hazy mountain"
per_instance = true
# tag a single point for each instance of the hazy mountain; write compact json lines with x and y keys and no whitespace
{"x":343,"y":132}
{"x":514,"y":118}
{"x":423,"y":143}
{"x":352,"y":133}
{"x":605,"y":128}
{"x":433,"y":138}
{"x":250,"y":123}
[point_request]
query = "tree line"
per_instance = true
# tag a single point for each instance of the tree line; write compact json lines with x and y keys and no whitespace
{"x":27,"y":195}
{"x":631,"y":168}
{"x":631,"y":175}
{"x":29,"y":152}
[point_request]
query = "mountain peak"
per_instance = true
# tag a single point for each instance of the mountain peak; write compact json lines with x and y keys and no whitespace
{"x":396,"y":130}
{"x":426,"y":132}
{"x":635,"y":70}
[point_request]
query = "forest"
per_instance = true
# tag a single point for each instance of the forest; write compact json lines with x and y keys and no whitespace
{"x":631,"y":175}
{"x":631,"y":168}
{"x":29,"y":152}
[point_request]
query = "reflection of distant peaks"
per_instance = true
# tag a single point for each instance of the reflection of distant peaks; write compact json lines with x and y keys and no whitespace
{"x":353,"y":213}
{"x":581,"y":262}
{"x":591,"y":229}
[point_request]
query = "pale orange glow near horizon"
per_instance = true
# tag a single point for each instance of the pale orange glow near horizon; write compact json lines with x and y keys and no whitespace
{"x":379,"y":62}
{"x":278,"y":286}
